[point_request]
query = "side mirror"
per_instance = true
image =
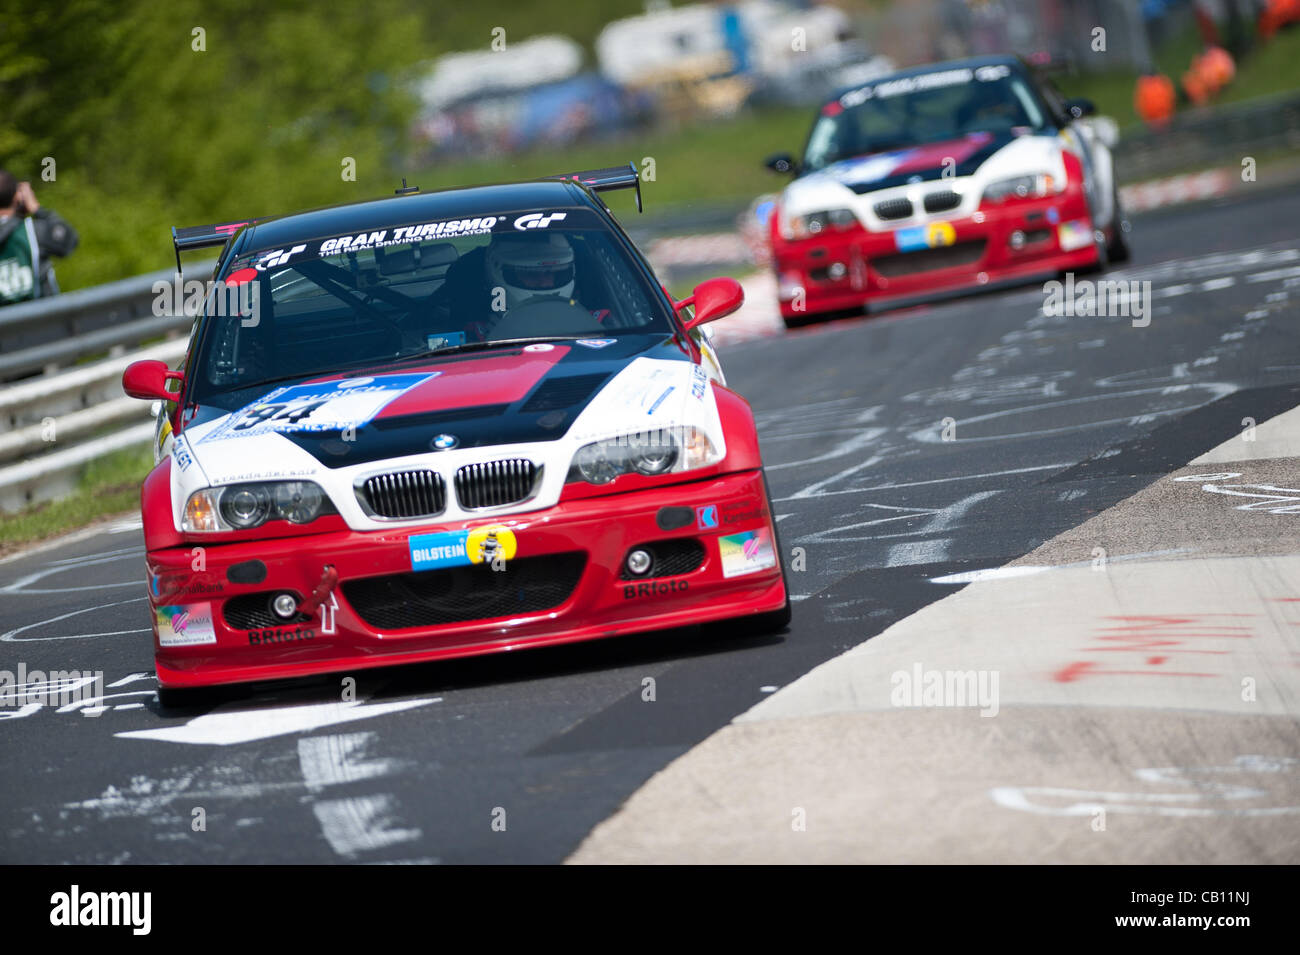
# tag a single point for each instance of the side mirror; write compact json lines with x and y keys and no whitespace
{"x":1079,"y":107}
{"x":713,"y":299}
{"x":781,"y":162}
{"x":148,"y":380}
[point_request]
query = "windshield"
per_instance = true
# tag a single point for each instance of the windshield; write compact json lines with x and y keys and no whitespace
{"x":397,"y":294}
{"x":930,"y":108}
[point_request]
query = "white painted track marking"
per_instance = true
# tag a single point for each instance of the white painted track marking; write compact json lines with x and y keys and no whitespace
{"x":220,"y":728}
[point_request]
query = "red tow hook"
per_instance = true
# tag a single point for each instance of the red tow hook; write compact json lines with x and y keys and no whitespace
{"x":328,"y":579}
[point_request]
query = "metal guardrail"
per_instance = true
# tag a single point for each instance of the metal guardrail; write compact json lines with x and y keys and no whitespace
{"x":47,"y":335}
{"x":1217,"y":135}
{"x":51,"y":426}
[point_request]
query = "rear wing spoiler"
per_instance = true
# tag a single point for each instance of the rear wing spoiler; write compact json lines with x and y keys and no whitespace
{"x":185,"y":238}
{"x":603,"y":180}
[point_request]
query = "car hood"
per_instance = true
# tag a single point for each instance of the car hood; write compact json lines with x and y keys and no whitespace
{"x":951,"y":157}
{"x":540,"y":402}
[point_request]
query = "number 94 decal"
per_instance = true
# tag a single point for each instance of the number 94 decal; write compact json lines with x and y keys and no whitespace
{"x":322,"y":406}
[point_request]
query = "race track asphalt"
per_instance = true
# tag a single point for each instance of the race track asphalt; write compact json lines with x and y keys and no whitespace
{"x":900,"y":447}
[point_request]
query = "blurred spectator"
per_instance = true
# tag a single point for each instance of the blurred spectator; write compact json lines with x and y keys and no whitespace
{"x":30,"y":236}
{"x":1155,"y":99}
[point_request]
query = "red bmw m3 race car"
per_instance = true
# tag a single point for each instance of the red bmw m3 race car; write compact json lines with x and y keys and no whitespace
{"x":445,"y":424}
{"x":953,"y":176}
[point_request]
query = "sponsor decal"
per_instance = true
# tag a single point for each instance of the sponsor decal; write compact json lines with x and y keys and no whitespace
{"x":444,"y":340}
{"x":746,"y":553}
{"x":275,"y":258}
{"x":655,"y":588}
{"x":699,"y":381}
{"x":276,"y":635}
{"x":739,"y":511}
{"x":170,"y":586}
{"x":1074,"y":235}
{"x":382,"y":238}
{"x":324,"y":406}
{"x":540,"y":346}
{"x":932,"y":236}
{"x":185,"y":626}
{"x":488,"y":545}
{"x":660,"y":400}
{"x":926,"y":81}
{"x":864,"y":170}
{"x":706,"y":518}
{"x":492,"y":544}
{"x":181,"y":454}
{"x":538,"y":220}
{"x":596,"y":342}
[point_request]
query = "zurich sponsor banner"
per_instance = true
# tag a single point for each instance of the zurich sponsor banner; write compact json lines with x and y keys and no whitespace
{"x":746,"y":553}
{"x":854,"y":171}
{"x":186,"y":626}
{"x":322,"y":406}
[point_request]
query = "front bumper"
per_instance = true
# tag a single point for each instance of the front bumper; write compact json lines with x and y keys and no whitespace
{"x":997,"y":244}
{"x":567,"y":585}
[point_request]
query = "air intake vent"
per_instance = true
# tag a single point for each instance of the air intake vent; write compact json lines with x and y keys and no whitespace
{"x":496,"y":483}
{"x":942,"y":201}
{"x":894,"y":208}
{"x":403,"y":494}
{"x":433,"y":598}
{"x":556,"y":393}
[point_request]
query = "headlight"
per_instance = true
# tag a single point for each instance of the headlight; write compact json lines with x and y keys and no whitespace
{"x":1023,"y":187}
{"x":814,"y":223}
{"x":662,"y":451}
{"x":237,"y":507}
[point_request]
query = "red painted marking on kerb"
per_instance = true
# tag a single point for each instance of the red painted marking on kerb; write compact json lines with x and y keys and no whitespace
{"x":1073,"y":672}
{"x":1156,"y":639}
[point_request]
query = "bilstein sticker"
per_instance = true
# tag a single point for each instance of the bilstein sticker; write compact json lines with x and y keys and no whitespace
{"x":482,"y":545}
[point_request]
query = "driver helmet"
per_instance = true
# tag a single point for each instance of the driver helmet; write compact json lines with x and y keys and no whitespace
{"x":531,"y":266}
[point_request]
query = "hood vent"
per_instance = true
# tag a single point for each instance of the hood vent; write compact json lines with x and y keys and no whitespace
{"x":556,"y":393}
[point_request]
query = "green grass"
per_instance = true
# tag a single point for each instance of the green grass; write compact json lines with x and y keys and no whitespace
{"x":701,"y":162}
{"x":108,"y":485}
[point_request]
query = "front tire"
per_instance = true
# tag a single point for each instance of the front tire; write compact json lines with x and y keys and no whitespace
{"x":1118,"y":249}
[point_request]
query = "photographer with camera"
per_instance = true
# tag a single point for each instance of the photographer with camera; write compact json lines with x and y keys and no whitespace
{"x":30,"y":236}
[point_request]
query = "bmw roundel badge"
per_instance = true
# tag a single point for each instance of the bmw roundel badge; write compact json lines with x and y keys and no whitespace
{"x":444,"y":442}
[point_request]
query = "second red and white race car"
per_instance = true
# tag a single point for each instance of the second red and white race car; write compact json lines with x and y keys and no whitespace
{"x":942,"y":178}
